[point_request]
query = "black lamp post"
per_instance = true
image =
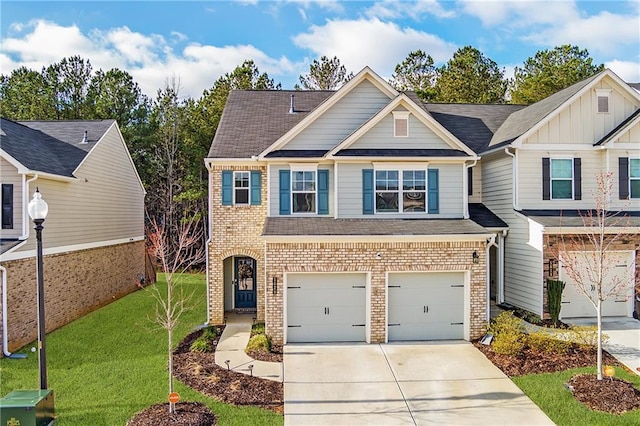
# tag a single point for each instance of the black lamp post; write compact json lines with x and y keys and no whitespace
{"x":38,"y":210}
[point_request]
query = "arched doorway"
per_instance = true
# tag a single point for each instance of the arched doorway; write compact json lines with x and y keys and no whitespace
{"x":244,"y":283}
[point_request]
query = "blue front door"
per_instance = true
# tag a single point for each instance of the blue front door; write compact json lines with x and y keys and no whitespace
{"x":245,"y":282}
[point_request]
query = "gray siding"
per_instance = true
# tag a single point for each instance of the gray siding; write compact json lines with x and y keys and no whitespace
{"x":9,"y":174}
{"x":476,"y":184}
{"x":342,"y":119}
{"x":350,"y":191}
{"x":381,"y":137}
{"x":497,"y":186}
{"x":104,"y":203}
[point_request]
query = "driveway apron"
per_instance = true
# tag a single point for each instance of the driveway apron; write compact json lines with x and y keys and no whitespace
{"x":400,"y":384}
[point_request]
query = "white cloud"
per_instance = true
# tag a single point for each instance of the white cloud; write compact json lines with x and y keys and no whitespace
{"x":380,"y":45}
{"x":518,"y":14}
{"x":628,"y":71}
{"x":392,"y":9}
{"x":150,"y":59}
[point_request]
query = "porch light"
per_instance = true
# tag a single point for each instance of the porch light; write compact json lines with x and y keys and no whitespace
{"x":476,"y":257}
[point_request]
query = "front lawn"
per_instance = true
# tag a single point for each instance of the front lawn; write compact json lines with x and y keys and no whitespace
{"x":110,"y":364}
{"x":548,"y":392}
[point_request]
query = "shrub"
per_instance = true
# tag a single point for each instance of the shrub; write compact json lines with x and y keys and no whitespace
{"x":209,"y":333}
{"x":508,"y":338}
{"x":259,"y":342}
{"x":200,"y":345}
{"x":258,"y":328}
{"x":585,"y":335}
{"x":554,"y":298}
{"x":542,"y":341}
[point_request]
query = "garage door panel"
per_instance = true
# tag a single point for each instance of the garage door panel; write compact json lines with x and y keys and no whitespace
{"x":326,"y":307}
{"x":426,"y":306}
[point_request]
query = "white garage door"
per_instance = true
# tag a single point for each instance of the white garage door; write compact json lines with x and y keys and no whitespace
{"x":576,"y":305}
{"x":426,"y":306}
{"x":326,"y":307}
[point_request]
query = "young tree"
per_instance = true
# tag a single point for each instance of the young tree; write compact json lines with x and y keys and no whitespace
{"x":470,"y":77}
{"x":550,"y":71}
{"x":325,"y":74}
{"x":588,"y":258}
{"x":173,"y":258}
{"x":416,"y":73}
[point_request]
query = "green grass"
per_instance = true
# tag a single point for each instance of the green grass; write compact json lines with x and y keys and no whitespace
{"x":112,"y":363}
{"x":548,"y":392}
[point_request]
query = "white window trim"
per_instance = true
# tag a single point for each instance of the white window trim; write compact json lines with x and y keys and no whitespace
{"x":603,"y":93}
{"x":304,"y":167}
{"x":400,"y":115}
{"x":400,"y":189}
{"x":632,"y":178}
{"x":248,"y":203}
{"x":551,"y":179}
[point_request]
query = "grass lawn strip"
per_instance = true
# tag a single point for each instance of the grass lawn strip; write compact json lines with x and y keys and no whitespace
{"x":111,"y":364}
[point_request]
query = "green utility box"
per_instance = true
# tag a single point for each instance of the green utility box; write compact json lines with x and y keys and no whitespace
{"x":27,"y":408}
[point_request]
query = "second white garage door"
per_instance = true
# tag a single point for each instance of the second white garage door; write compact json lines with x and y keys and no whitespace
{"x":326,"y":307}
{"x":426,"y":306}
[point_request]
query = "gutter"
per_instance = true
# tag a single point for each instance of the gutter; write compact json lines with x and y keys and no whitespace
{"x":465,"y":189}
{"x":25,"y":205}
{"x":514,"y":177}
{"x":209,"y":167}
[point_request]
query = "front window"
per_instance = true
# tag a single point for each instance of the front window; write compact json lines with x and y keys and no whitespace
{"x":634,"y":177}
{"x":403,"y":191}
{"x":241,"y":187}
{"x":561,"y":179}
{"x":303,"y":191}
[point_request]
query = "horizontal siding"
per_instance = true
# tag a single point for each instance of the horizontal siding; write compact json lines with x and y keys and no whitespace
{"x":616,"y":202}
{"x":497,"y":186}
{"x":523,"y":267}
{"x":476,"y":184}
{"x":580,"y":122}
{"x":9,"y":175}
{"x":530,"y":179}
{"x":274,"y":187}
{"x":342,"y":119}
{"x":105,"y":202}
{"x":350,"y":191}
{"x":381,"y":137}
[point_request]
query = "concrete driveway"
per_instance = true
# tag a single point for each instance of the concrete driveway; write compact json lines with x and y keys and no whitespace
{"x":391,"y":384}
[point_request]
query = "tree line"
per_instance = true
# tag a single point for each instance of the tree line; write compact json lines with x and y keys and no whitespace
{"x":169,"y":135}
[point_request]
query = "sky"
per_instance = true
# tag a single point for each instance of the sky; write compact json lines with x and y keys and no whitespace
{"x":196,"y":42}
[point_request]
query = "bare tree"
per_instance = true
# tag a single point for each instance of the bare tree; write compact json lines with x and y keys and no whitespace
{"x":174,"y":258}
{"x":589,"y":259}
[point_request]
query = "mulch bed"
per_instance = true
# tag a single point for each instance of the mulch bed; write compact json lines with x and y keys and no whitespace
{"x":615,"y":396}
{"x":186,"y":414}
{"x":275,"y":355}
{"x":199,"y":371}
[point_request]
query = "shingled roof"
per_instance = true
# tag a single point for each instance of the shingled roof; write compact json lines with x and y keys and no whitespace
{"x":51,"y":146}
{"x":254,"y":119}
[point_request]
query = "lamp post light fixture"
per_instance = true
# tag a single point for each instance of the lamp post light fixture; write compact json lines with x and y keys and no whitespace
{"x":38,"y":210}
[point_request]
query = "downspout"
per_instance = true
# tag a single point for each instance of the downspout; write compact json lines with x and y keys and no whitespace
{"x":487,"y":255}
{"x":25,"y":205}
{"x":465,"y":189}
{"x":514,"y":176}
{"x":5,"y":332}
{"x":208,"y":166}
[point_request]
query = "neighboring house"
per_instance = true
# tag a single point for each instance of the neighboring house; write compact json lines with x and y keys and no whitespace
{"x":366,"y":215}
{"x":93,"y":235}
{"x":539,"y":172}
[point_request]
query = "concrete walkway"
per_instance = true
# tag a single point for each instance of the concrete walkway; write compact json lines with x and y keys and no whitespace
{"x":624,"y":338}
{"x":444,"y":383}
{"x":231,"y":348}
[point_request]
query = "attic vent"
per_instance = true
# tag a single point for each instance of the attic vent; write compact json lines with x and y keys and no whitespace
{"x":85,"y":139}
{"x":602,"y":100}
{"x":400,"y":124}
{"x":292,"y":107}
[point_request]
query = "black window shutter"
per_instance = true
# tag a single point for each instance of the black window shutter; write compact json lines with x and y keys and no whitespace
{"x":546,"y":178}
{"x":623,"y":178}
{"x":577,"y":179}
{"x":7,"y":206}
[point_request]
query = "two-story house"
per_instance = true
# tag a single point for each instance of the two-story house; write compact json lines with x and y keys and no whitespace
{"x":345,"y":216}
{"x":93,"y":237}
{"x":366,"y":215}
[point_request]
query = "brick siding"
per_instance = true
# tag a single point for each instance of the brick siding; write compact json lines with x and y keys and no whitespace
{"x":76,"y":283}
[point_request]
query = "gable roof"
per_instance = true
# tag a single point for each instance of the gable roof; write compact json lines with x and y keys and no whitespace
{"x":626,"y":124}
{"x":52,"y":147}
{"x":473,"y":124}
{"x":253,"y":120}
{"x":365,"y":74}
